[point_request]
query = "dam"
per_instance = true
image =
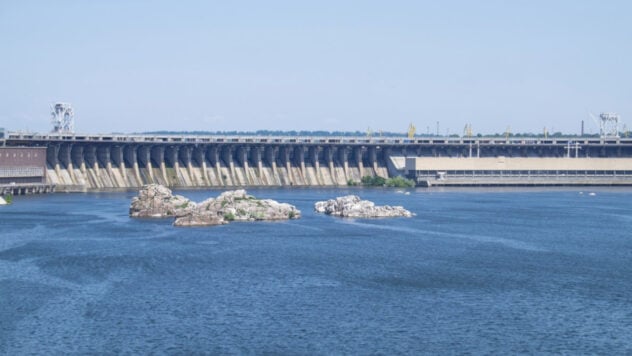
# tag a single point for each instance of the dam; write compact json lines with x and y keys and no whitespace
{"x":92,"y":162}
{"x":77,"y":162}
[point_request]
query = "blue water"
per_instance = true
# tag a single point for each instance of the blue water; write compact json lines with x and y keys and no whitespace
{"x":516,"y":271}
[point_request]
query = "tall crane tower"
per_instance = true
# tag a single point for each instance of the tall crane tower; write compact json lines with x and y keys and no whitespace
{"x":609,"y":124}
{"x":63,"y":118}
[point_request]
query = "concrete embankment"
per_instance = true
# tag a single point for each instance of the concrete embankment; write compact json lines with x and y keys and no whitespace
{"x":519,"y":171}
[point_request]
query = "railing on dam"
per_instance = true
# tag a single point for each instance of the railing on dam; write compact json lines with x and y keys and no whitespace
{"x":429,"y":178}
{"x":26,"y":188}
{"x":348,"y":140}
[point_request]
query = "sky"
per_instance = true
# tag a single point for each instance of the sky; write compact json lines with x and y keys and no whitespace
{"x":133,"y":66}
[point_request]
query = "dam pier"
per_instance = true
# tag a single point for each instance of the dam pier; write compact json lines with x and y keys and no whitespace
{"x":75,"y":162}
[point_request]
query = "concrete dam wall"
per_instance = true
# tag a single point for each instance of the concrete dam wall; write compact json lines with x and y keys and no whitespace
{"x":90,"y":162}
{"x":106,"y":166}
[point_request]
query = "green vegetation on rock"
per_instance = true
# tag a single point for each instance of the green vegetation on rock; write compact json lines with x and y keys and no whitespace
{"x":373,"y":181}
{"x":400,"y":182}
{"x":249,"y":197}
{"x":257,"y":215}
{"x":377,"y":181}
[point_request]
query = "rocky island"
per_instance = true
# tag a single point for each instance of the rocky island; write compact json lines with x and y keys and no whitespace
{"x":157,"y":201}
{"x":351,"y":206}
{"x":6,"y":199}
{"x":236,"y":205}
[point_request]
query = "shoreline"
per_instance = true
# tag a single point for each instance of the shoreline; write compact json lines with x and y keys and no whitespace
{"x":432,"y":189}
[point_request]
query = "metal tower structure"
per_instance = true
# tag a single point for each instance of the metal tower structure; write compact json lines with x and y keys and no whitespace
{"x":609,"y":124}
{"x":63,"y":118}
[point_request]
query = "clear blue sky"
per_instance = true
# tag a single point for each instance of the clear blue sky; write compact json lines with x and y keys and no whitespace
{"x":321,"y":65}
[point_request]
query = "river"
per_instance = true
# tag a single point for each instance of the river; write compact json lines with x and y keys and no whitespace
{"x":475,"y":271}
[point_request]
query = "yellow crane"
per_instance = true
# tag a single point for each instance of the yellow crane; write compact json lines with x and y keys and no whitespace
{"x":467,"y":131}
{"x":411,"y":130}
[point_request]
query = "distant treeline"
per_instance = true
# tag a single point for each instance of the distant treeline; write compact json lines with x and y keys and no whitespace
{"x":274,"y":133}
{"x":353,"y":133}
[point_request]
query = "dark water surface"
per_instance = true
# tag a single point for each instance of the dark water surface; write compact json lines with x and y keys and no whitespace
{"x":518,"y":271}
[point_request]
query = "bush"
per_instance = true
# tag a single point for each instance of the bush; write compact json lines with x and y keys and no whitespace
{"x":375,"y":181}
{"x":400,"y":182}
{"x":229,"y":216}
{"x":396,"y":182}
{"x":352,"y":183}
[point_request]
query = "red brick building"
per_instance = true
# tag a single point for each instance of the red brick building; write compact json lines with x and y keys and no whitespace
{"x":22,"y":165}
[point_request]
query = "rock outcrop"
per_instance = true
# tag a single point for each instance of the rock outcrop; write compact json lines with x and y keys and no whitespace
{"x":236,"y":205}
{"x":200,"y":217}
{"x":351,"y":206}
{"x":157,"y":201}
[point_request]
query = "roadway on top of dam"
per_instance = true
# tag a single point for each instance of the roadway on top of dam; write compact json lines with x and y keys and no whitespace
{"x":17,"y":138}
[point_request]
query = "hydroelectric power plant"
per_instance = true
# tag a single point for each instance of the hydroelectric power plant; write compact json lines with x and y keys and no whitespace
{"x":81,"y":162}
{"x":87,"y":162}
